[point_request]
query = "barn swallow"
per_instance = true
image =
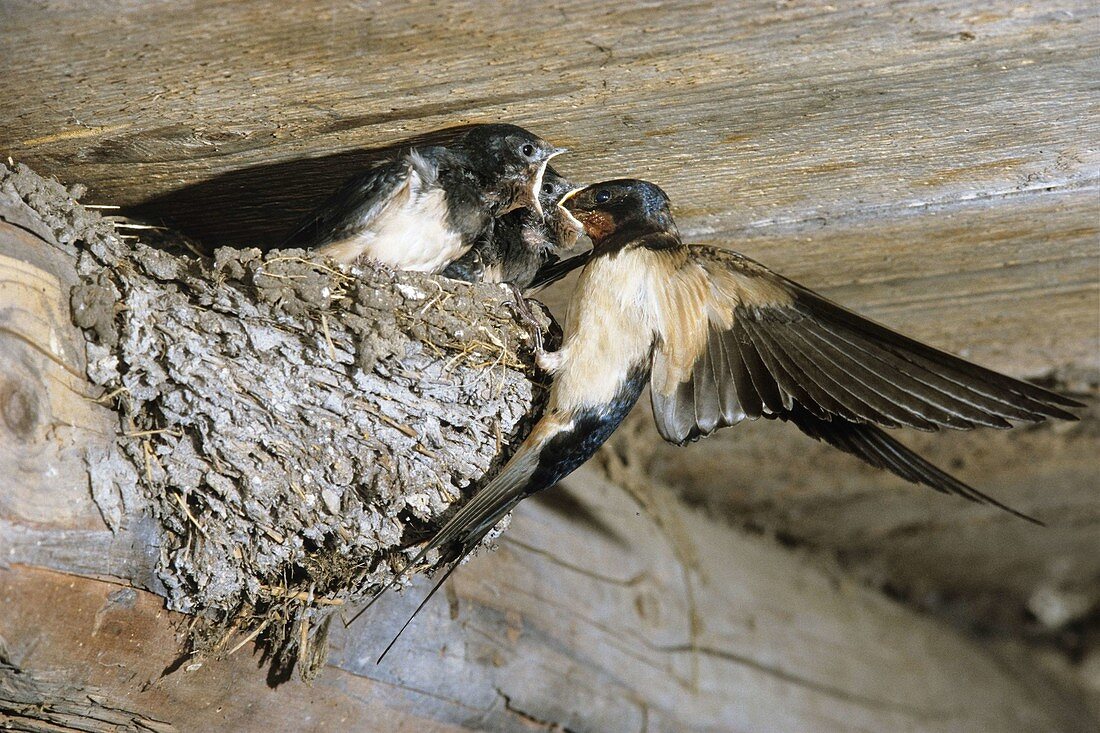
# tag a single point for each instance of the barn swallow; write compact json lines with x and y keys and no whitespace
{"x":720,"y":338}
{"x":522,"y":241}
{"x":425,"y":206}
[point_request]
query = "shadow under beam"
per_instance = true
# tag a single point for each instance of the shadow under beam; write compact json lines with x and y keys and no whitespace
{"x":258,"y":206}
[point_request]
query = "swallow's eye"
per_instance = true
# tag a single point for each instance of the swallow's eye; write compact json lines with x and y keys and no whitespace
{"x":548,"y":188}
{"x":528,"y":150}
{"x":603,"y":196}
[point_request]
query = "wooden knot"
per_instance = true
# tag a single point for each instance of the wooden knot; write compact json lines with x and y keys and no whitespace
{"x":647,"y":603}
{"x":20,"y":409}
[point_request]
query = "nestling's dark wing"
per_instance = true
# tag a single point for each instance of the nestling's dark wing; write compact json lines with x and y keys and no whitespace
{"x":771,"y":347}
{"x":352,"y":207}
{"x":551,"y":272}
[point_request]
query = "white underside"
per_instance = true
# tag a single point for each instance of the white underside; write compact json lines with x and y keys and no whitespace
{"x":415,"y":236}
{"x":609,"y":329}
{"x":410,"y":233}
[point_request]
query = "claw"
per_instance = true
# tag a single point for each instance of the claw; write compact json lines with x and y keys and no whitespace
{"x":523,"y":310}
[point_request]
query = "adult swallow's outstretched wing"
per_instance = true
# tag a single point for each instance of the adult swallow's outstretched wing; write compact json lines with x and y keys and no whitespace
{"x":767,"y":346}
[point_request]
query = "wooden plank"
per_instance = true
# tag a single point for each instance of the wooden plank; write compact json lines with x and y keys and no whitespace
{"x":765,"y":123}
{"x":749,"y":116}
{"x":933,"y":164}
{"x":46,"y":404}
{"x":598,"y":626}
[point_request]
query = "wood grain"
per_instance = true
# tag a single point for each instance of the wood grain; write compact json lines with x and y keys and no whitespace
{"x":563,"y":626}
{"x":749,"y":116}
{"x":47,"y":406}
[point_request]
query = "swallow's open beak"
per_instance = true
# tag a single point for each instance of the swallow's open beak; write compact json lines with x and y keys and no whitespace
{"x":569,"y":215}
{"x":536,"y":184}
{"x":566,"y":197}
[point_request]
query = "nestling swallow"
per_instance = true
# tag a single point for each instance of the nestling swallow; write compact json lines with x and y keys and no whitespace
{"x":426,"y":206}
{"x":720,"y":338}
{"x":522,"y":241}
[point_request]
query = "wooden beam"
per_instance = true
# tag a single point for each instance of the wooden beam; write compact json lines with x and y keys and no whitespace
{"x":750,"y":116}
{"x":932,"y":164}
{"x":658,"y":619}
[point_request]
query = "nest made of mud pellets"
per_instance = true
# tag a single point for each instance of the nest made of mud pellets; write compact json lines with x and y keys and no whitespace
{"x":291,"y":425}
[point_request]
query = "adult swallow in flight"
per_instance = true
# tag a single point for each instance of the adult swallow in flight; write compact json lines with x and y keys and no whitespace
{"x":720,"y":338}
{"x":425,"y":206}
{"x":523,"y":241}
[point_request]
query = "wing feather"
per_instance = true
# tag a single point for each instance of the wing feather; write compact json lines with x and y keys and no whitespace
{"x":353,"y":206}
{"x":786,"y":376}
{"x":733,"y":411}
{"x":885,"y":394}
{"x":874,"y":446}
{"x":708,"y":403}
{"x":930,"y":386}
{"x":777,"y":349}
{"x":855,"y":387}
{"x":763,"y":383}
{"x":835,"y":363}
{"x":551,"y":272}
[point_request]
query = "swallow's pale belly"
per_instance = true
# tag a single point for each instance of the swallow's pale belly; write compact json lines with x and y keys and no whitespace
{"x":414,"y":235}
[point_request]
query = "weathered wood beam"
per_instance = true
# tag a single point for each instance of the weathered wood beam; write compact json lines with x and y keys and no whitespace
{"x":933,"y":164}
{"x":658,"y":619}
{"x":750,"y":116}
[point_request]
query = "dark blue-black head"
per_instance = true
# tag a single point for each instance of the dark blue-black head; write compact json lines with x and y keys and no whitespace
{"x":510,"y":161}
{"x":615,"y":213}
{"x":554,"y":188}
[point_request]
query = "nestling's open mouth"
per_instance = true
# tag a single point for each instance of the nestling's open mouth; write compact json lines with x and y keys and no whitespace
{"x":536,"y":184}
{"x":569,"y":215}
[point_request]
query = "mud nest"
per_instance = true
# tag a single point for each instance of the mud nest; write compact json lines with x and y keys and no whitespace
{"x":294,"y":426}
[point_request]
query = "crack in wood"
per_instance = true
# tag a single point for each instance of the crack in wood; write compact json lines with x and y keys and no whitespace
{"x":581,"y":569}
{"x":529,"y":718}
{"x":36,"y":704}
{"x":832,"y":691}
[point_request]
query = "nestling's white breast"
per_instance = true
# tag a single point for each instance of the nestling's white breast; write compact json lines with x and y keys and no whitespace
{"x":410,"y":232}
{"x":415,"y":235}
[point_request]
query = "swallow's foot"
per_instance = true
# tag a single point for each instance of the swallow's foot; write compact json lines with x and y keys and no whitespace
{"x":523,"y":310}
